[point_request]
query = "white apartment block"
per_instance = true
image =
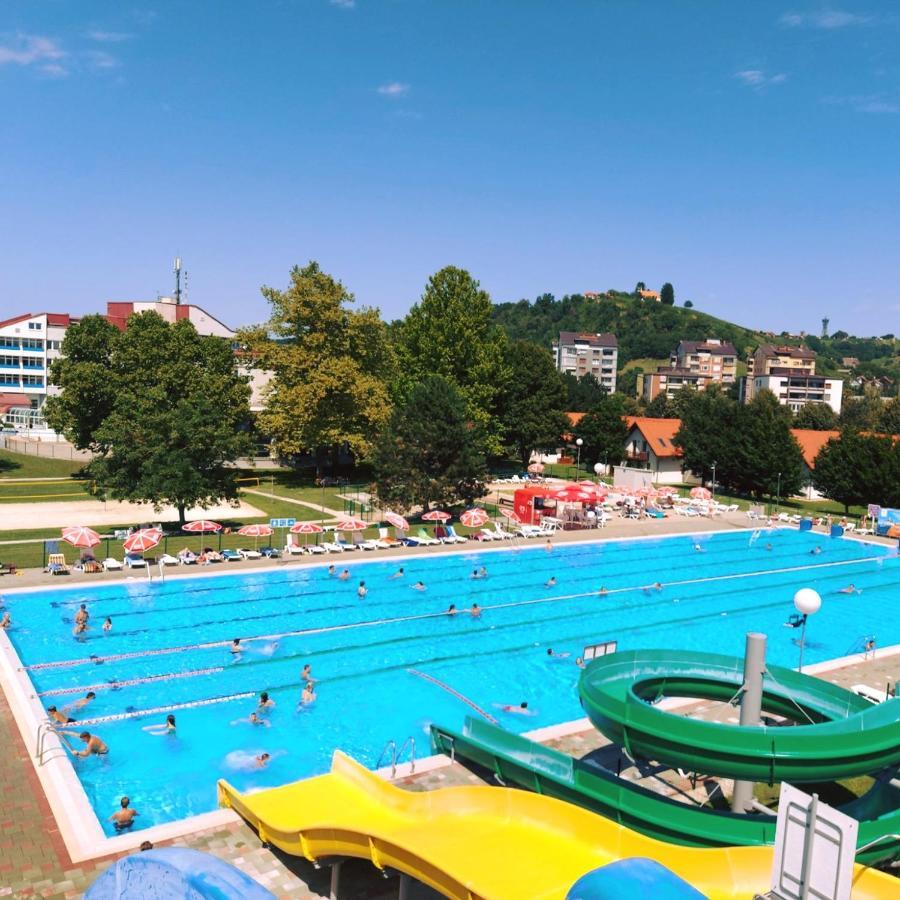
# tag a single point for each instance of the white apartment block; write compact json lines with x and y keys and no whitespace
{"x":580,"y":353}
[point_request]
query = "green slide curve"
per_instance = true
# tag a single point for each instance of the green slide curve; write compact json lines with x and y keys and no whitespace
{"x":530,"y":765}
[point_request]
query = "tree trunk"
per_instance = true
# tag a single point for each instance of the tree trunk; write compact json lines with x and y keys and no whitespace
{"x":181,"y":513}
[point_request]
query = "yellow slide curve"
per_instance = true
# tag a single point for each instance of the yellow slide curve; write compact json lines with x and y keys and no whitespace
{"x":485,"y":843}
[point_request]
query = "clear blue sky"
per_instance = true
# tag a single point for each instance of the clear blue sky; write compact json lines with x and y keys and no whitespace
{"x":748,"y":153}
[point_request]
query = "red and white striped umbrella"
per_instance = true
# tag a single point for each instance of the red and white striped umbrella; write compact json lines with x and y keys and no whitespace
{"x":436,"y":515}
{"x":513,"y":516}
{"x":701,"y":493}
{"x":201,"y":525}
{"x":257,"y":530}
{"x":536,"y":468}
{"x":474,"y":518}
{"x":80,"y":536}
{"x":351,"y":524}
{"x":306,"y":528}
{"x":396,"y":520}
{"x":668,"y":491}
{"x":574,"y":493}
{"x":145,"y":539}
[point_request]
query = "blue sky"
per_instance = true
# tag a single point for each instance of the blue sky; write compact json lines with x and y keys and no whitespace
{"x":746,"y":152}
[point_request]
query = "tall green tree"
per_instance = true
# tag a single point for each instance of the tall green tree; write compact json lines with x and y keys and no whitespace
{"x":862,"y":413}
{"x":707,"y":434}
{"x":163,"y":408}
{"x":583,"y":393}
{"x":603,"y":431}
{"x":534,"y":409}
{"x":858,"y":469}
{"x":450,"y":332}
{"x":331,"y":367}
{"x":667,"y":294}
{"x":816,"y":416}
{"x":431,"y":452}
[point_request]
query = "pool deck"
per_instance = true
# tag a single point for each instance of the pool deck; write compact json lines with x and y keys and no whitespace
{"x":34,"y":861}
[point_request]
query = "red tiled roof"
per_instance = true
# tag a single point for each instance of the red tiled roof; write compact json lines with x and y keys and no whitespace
{"x":52,"y":319}
{"x":658,"y":433}
{"x":8,"y":401}
{"x":812,"y":441}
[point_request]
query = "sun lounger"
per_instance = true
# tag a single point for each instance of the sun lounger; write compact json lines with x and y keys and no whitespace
{"x":486,"y":534}
{"x":873,"y":695}
{"x":387,"y":540}
{"x":270,"y":552}
{"x":454,"y":538}
{"x":423,"y":537}
{"x":135,"y":561}
{"x":293,"y":549}
{"x":249,"y":554}
{"x":168,"y":560}
{"x":187,"y":559}
{"x":528,"y":531}
{"x":56,"y":564}
{"x":111,"y":565}
{"x":231,"y":555}
{"x":332,"y":547}
{"x":344,"y":543}
{"x":315,"y":549}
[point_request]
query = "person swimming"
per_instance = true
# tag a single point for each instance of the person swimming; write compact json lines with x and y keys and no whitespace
{"x":451,"y":609}
{"x":580,"y":663}
{"x":550,"y":582}
{"x":247,"y":760}
{"x":236,"y":647}
{"x":344,"y":576}
{"x":107,"y":625}
{"x":520,"y":710}
{"x":306,"y":673}
{"x":309,"y":694}
{"x":57,"y":717}
{"x":699,"y":548}
{"x":168,"y":727}
{"x":89,"y":697}
{"x":253,"y":719}
{"x":124,"y":818}
{"x":362,"y":590}
{"x":82,"y":615}
{"x":850,"y":589}
{"x":475,"y":611}
{"x":265,"y":702}
{"x":80,"y":628}
{"x":602,"y":591}
{"x":553,"y":655}
{"x":419,"y":586}
{"x":815,"y":551}
{"x":332,"y":571}
{"x":398,"y":574}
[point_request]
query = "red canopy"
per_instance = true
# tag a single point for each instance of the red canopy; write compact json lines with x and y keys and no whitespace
{"x":80,"y":536}
{"x":474,"y":518}
{"x":257,"y":530}
{"x":306,"y":528}
{"x":145,"y":539}
{"x":201,"y":525}
{"x":396,"y":520}
{"x":436,"y":515}
{"x":700,"y":493}
{"x":351,"y":524}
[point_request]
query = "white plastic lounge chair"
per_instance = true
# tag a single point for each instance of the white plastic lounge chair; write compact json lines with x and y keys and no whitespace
{"x":873,"y":695}
{"x":423,"y":537}
{"x":454,"y":538}
{"x":249,"y":554}
{"x":528,"y":531}
{"x":344,"y":543}
{"x":111,"y":564}
{"x":331,"y":547}
{"x":133,"y":561}
{"x":293,"y":549}
{"x":168,"y":560}
{"x":388,"y":541}
{"x":487,"y":534}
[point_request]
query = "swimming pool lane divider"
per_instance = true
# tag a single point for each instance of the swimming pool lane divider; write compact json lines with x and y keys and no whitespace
{"x":115,"y":684}
{"x":471,"y":704}
{"x":69,"y":663}
{"x":172,"y":707}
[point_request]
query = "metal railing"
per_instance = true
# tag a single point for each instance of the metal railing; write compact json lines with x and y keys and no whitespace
{"x":392,"y":753}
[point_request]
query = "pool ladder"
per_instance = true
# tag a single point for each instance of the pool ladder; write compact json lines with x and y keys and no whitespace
{"x":394,"y":754}
{"x":41,"y":749}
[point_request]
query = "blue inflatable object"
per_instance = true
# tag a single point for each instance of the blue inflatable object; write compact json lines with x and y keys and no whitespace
{"x":806,"y":524}
{"x":629,"y":879}
{"x":837,"y":531}
{"x":174,"y":873}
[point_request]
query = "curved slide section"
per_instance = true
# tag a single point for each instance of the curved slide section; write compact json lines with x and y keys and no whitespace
{"x":516,"y":760}
{"x":849,"y":736}
{"x":483,"y":842}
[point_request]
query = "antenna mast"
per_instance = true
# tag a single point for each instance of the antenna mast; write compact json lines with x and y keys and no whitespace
{"x":177,"y":280}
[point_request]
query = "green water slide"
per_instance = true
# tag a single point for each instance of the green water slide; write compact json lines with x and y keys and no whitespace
{"x":519,"y":761}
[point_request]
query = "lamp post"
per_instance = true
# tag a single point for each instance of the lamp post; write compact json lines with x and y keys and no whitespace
{"x":598,"y":468}
{"x":778,"y":493}
{"x":714,"y":482}
{"x":578,"y":443}
{"x":806,"y":602}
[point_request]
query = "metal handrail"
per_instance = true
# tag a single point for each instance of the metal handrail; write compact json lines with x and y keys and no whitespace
{"x":395,"y":754}
{"x":40,"y":748}
{"x":392,"y":746}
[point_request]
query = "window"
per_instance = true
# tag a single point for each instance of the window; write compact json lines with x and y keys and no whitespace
{"x":32,"y":344}
{"x":32,"y":381}
{"x":662,"y":442}
{"x":34,"y":326}
{"x":9,"y":361}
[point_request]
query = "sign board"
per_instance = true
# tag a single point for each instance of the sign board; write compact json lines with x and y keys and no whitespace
{"x":815,"y":846}
{"x":282,"y":523}
{"x":595,"y":651}
{"x":874,"y":511}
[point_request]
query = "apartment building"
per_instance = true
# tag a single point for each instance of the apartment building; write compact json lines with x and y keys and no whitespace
{"x":580,"y":353}
{"x":710,"y":357}
{"x":790,"y":374}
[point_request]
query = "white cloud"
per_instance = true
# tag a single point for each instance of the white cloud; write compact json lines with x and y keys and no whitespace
{"x":100,"y":59}
{"x":393,"y":89}
{"x":758,"y":79}
{"x":34,"y":50}
{"x":343,"y":4}
{"x":826,"y":19}
{"x":110,"y":37}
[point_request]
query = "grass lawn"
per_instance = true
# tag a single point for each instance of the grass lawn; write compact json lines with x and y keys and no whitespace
{"x":19,"y":465}
{"x":44,"y":491}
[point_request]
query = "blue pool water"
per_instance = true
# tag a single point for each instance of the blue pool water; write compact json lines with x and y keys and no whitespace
{"x":361,"y":651}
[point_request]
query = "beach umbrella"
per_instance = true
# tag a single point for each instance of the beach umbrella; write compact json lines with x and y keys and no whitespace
{"x":536,"y":468}
{"x":700,"y":493}
{"x":145,"y":539}
{"x":202,"y":526}
{"x":436,"y":515}
{"x":573,"y":493}
{"x":396,"y":520}
{"x":474,"y":518}
{"x":351,"y":524}
{"x":668,"y":491}
{"x":256,"y":531}
{"x":80,"y":536}
{"x":306,"y":528}
{"x":513,"y":516}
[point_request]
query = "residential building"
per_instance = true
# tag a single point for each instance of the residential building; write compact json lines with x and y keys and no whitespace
{"x":649,"y":445}
{"x":118,"y":311}
{"x":710,"y":357}
{"x":769,"y":356}
{"x":668,"y":380}
{"x":28,"y":344}
{"x":790,"y":374}
{"x":649,"y":295}
{"x":580,"y":353}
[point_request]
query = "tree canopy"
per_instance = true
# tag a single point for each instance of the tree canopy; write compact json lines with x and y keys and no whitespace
{"x":857,"y":469}
{"x":331,"y":367}
{"x":431,"y":451}
{"x":667,"y":294}
{"x":534,"y":408}
{"x":603,"y":431}
{"x":583,"y":393}
{"x":163,"y":408}
{"x":816,"y":416}
{"x":450,"y":332}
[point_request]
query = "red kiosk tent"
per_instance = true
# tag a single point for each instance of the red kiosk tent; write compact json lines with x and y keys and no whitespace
{"x":533,"y":502}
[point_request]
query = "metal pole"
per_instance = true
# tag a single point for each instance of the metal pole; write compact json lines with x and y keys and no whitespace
{"x":335,"y":881}
{"x":808,"y":841}
{"x":751,"y":707}
{"x":403,"y":893}
{"x":802,"y":642}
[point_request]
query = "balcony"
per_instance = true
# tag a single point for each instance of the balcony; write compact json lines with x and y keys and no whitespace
{"x":637,"y":456}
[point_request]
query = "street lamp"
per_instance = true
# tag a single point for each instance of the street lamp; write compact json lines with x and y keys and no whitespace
{"x":578,"y":443}
{"x":778,"y":493}
{"x":714,"y":482}
{"x":806,"y":602}
{"x":598,"y":468}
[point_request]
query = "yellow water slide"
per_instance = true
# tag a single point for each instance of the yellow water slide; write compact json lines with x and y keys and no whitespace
{"x":485,"y":842}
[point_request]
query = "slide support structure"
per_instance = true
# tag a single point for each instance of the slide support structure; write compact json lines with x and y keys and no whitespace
{"x":751,"y":708}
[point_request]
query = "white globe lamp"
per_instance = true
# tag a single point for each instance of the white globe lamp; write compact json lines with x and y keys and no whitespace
{"x":806,"y":602}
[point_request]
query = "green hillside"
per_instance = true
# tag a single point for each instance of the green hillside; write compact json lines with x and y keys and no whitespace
{"x":646,"y":330}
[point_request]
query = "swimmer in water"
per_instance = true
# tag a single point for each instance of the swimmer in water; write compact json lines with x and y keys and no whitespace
{"x":553,"y":655}
{"x":82,"y":615}
{"x":419,"y":586}
{"x":6,"y":621}
{"x":475,"y":611}
{"x":107,"y":625}
{"x":254,"y":719}
{"x":344,"y":576}
{"x":768,"y":546}
{"x":331,"y":571}
{"x":549,"y":546}
{"x":550,"y":582}
{"x":520,"y":710}
{"x":263,"y":760}
{"x":80,"y":628}
{"x":580,"y":662}
{"x":602,"y":591}
{"x":93,"y":745}
{"x":124,"y":818}
{"x":246,"y":761}
{"x":699,"y":548}
{"x":306,"y":673}
{"x":236,"y":647}
{"x":309,"y":694}
{"x":57,"y":717}
{"x":362,"y":590}
{"x":83,"y":702}
{"x":482,"y":572}
{"x":398,"y":574}
{"x":850,"y":589}
{"x":265,"y":702}
{"x":451,"y":609}
{"x":168,"y":727}
{"x":816,"y":551}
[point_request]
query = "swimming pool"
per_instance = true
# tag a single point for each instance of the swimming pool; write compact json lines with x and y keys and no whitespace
{"x":169,"y":647}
